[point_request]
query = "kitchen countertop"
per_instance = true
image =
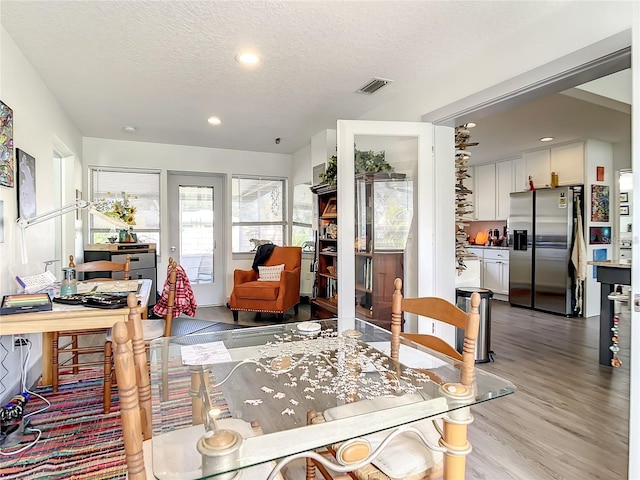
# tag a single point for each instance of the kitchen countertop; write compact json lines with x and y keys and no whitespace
{"x":621,"y":263}
{"x":490,"y":247}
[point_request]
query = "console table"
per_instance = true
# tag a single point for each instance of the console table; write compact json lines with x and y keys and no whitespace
{"x":609,"y":273}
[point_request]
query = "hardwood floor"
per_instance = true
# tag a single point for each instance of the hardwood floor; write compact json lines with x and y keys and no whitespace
{"x":569,"y":417}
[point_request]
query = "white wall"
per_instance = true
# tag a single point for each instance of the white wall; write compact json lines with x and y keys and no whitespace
{"x":118,"y":153}
{"x":40,"y":125}
{"x":597,"y":153}
{"x":301,"y":172}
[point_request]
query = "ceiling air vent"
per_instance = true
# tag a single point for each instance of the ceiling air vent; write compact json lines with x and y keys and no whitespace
{"x":374,"y":85}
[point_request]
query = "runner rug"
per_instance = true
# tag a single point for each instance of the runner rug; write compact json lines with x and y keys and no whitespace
{"x":78,"y":440}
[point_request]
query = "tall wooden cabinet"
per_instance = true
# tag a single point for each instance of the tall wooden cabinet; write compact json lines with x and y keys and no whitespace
{"x":381,"y":198}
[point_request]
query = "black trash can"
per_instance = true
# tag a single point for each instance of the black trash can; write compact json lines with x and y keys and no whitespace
{"x":463,"y":302}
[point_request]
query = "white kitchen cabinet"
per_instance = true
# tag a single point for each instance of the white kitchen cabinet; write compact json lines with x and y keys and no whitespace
{"x":568,"y":162}
{"x":496,"y":271}
{"x":485,"y":192}
{"x":504,"y":187}
{"x":538,"y":167}
{"x":470,"y":184}
{"x":520,"y":182}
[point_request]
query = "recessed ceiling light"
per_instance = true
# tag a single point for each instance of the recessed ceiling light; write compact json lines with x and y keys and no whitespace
{"x":129,"y":129}
{"x":247,"y":58}
{"x":214,"y":120}
{"x":470,"y":124}
{"x":546,"y":139}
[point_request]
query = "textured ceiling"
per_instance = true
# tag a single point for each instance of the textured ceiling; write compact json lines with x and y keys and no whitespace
{"x":166,"y":66}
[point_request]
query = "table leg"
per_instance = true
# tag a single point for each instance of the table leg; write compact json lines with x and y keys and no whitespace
{"x":47,"y":373}
{"x":454,"y":432}
{"x":455,"y":436}
{"x":606,"y":322}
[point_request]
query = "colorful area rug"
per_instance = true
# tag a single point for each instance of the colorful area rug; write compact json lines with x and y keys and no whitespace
{"x":78,"y":441}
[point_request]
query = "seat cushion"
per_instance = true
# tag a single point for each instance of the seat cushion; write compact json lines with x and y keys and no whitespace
{"x":257,"y":290}
{"x":405,"y":455}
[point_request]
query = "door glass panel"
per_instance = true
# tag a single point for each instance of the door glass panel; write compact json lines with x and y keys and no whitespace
{"x":383,"y":215}
{"x":196,"y":232}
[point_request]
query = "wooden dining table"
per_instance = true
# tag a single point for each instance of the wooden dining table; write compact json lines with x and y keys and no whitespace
{"x":64,"y":317}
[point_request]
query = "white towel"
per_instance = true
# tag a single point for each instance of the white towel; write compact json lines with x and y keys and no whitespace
{"x":579,"y":259}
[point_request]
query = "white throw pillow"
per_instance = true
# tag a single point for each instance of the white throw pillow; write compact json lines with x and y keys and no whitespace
{"x":269,"y":274}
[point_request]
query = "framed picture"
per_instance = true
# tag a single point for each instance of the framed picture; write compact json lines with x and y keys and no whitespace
{"x":6,"y":145}
{"x":26,"y":185}
{"x":599,"y":174}
{"x":624,"y":209}
{"x":599,"y":203}
{"x":624,"y":197}
{"x":331,"y":210}
{"x":599,"y":235}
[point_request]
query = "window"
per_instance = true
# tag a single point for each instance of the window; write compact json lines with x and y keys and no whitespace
{"x":302,"y":230}
{"x":258,"y":211}
{"x":143,"y":189}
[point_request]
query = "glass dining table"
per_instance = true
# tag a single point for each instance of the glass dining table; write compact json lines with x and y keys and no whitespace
{"x":226,"y":401}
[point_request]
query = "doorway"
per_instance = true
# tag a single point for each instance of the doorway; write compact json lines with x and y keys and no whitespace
{"x":196,"y":226}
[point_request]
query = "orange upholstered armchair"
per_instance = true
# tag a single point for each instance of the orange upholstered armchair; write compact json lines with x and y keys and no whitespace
{"x":274,"y":289}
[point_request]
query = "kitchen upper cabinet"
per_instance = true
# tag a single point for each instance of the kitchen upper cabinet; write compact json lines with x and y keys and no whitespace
{"x":568,"y":162}
{"x":492,"y":185}
{"x":485,"y":192}
{"x":504,"y":187}
{"x":470,"y":184}
{"x":520,"y":181}
{"x":538,"y":167}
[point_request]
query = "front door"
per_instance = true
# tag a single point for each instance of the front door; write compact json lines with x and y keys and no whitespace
{"x":196,"y":207}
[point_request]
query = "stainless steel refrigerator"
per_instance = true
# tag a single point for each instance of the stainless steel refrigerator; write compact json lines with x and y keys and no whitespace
{"x":541,"y":224}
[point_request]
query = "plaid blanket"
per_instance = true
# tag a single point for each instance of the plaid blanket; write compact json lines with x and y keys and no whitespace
{"x":185,"y":301}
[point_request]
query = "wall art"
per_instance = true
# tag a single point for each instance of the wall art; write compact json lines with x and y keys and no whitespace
{"x":599,"y":174}
{"x":6,"y":145}
{"x":599,"y":235}
{"x":599,"y":255}
{"x":624,"y":209}
{"x":599,"y":203}
{"x":26,"y":183}
{"x":624,"y":197}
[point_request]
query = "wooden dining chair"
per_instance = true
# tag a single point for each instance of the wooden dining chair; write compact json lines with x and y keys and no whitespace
{"x":134,"y":389}
{"x":150,"y":330}
{"x":408,"y":455}
{"x":72,"y":348}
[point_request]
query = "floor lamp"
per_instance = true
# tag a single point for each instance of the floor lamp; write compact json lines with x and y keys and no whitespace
{"x":24,"y":223}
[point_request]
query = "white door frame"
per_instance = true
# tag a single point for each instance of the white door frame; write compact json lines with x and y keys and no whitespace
{"x":424,"y":185}
{"x":218,"y":295}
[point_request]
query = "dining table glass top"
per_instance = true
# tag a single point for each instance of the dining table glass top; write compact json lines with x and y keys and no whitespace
{"x":259,"y":385}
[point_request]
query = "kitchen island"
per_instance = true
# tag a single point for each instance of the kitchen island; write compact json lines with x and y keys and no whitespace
{"x":609,"y":273}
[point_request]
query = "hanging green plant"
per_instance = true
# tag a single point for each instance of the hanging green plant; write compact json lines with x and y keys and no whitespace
{"x":365,"y":162}
{"x":330,"y":175}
